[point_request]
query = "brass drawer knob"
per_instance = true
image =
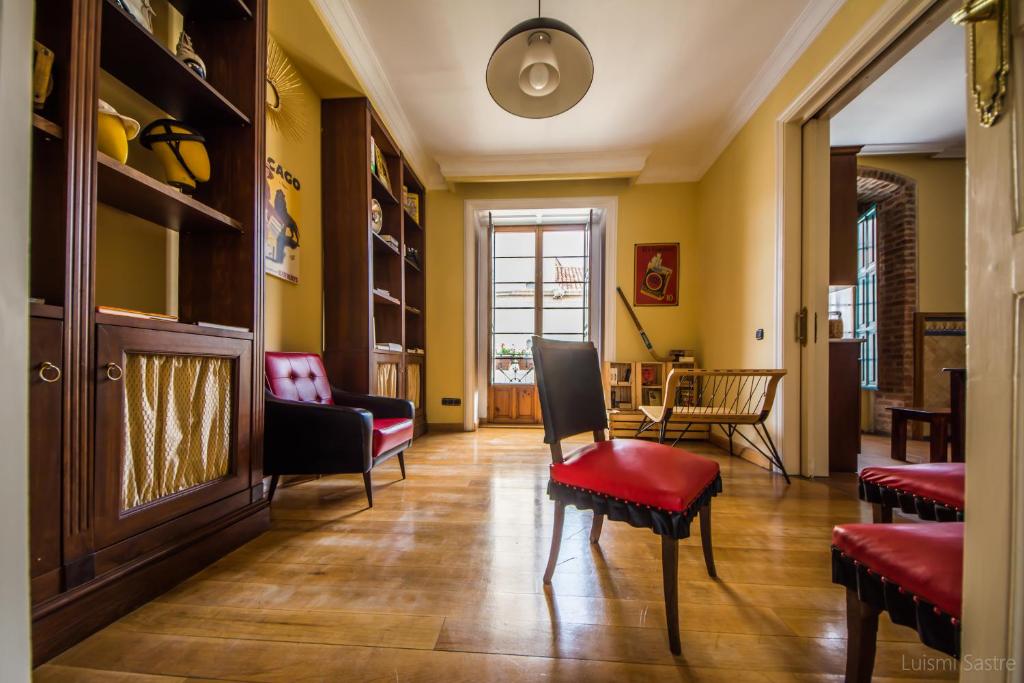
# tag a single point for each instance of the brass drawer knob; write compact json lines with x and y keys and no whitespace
{"x":48,"y":372}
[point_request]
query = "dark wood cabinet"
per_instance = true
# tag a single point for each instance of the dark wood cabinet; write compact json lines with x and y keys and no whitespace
{"x":46,"y":398}
{"x":124,"y":351}
{"x":843,"y":404}
{"x":843,"y":216}
{"x":94,"y":557}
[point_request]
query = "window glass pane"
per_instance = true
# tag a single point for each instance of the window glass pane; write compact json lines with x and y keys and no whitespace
{"x":563,"y":320}
{"x":513,"y":320}
{"x":565,"y":269}
{"x":564,"y":295}
{"x":564,"y":242}
{"x":510,"y":370}
{"x":513,"y":295}
{"x":514,"y":270}
{"x":514,"y":244}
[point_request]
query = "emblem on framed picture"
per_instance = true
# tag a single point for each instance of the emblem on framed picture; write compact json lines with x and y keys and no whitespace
{"x":656,"y":274}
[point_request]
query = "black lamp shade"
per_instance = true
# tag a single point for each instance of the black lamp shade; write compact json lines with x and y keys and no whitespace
{"x":564,"y":56}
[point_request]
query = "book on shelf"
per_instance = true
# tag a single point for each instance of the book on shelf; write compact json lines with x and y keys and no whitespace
{"x":415,"y":349}
{"x":132,"y":313}
{"x":388,"y":239}
{"x":382,"y":292}
{"x":218,"y":326}
{"x":391,"y":347}
{"x":36,"y":300}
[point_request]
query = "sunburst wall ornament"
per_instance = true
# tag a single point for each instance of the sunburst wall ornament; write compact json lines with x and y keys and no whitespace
{"x":284,"y":92}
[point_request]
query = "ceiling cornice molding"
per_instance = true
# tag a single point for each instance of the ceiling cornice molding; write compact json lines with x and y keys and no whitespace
{"x":580,"y":165}
{"x":341,"y":19}
{"x":801,"y":34}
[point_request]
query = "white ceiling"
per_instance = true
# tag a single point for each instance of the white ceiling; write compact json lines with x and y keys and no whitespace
{"x":674,"y":80}
{"x":916,"y":106}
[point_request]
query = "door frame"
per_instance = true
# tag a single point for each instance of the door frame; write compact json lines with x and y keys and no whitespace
{"x":474,"y":307}
{"x":802,"y":217}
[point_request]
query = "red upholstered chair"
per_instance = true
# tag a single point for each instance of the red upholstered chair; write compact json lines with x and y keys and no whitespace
{"x":933,"y":491}
{"x":314,"y":428}
{"x":644,"y":484}
{"x":912,"y":571}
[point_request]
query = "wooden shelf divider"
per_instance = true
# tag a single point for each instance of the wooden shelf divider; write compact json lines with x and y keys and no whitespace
{"x":134,"y":192}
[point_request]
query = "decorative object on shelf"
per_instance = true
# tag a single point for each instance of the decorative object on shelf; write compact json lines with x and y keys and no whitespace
{"x":381,"y":167}
{"x":182,"y":151}
{"x":113,"y":131}
{"x":283,"y":210}
{"x":411,"y":202}
{"x":187,"y":54}
{"x":835,"y":324}
{"x":413,"y":254}
{"x":42,"y":74}
{"x":139,"y":10}
{"x":376,"y":216}
{"x":540,"y":68}
{"x":655,"y":272}
{"x":284,"y":93}
{"x":373,"y":156}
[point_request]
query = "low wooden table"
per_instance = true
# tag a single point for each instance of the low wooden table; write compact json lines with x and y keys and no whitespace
{"x":938,"y":421}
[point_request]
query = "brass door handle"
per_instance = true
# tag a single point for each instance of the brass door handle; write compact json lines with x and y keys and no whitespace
{"x":49,"y":373}
{"x":114,"y":372}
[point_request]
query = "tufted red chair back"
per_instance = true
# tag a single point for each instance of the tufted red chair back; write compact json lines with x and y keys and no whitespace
{"x":297,"y":377}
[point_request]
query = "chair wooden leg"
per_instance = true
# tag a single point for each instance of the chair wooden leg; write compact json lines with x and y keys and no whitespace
{"x":939,"y":441}
{"x":273,"y":487}
{"x":595,"y":528}
{"x":881,"y":513}
{"x":670,"y":580}
{"x":401,"y":463}
{"x":556,"y":542}
{"x":861,"y":632}
{"x":369,"y":488}
{"x":705,"y":540}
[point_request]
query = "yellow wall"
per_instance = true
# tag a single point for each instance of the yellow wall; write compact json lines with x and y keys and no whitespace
{"x":737,"y":214}
{"x":941,"y":231}
{"x":294,"y":312}
{"x":646,"y":213}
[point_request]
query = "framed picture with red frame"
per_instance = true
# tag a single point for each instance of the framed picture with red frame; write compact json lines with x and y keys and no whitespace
{"x":656,"y":274}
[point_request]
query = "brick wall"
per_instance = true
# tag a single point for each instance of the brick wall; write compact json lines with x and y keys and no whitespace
{"x":896,"y":198}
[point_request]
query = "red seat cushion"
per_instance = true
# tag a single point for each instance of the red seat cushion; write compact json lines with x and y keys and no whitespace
{"x":390,"y":432}
{"x":923,"y":559}
{"x":942,"y":482}
{"x":638,"y":472}
{"x":297,"y":377}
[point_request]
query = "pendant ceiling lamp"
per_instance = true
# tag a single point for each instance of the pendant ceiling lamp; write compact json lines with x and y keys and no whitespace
{"x":540,"y":68}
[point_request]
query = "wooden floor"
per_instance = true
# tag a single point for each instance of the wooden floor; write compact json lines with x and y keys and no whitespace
{"x":441,"y":581}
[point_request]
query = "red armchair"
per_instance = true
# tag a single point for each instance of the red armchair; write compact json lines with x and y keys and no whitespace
{"x":314,"y":428}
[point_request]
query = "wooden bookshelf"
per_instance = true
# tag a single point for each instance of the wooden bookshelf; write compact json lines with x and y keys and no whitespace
{"x":355,"y":316}
{"x":92,"y":562}
{"x":134,"y":192}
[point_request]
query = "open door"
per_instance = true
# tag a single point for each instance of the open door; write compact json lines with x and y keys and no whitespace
{"x":994,"y":542}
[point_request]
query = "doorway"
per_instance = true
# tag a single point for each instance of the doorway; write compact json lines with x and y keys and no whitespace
{"x":539,"y":283}
{"x":561,"y":287}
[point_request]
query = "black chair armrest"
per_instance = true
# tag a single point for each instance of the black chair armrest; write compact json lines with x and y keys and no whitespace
{"x":311,"y":438}
{"x":380,"y":406}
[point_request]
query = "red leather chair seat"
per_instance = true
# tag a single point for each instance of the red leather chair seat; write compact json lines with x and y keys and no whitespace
{"x":941,"y":482}
{"x":390,"y":432}
{"x":638,"y":472}
{"x":925,"y":560}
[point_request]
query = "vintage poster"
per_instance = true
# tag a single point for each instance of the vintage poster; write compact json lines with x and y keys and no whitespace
{"x":656,"y":275}
{"x":284,"y":214}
